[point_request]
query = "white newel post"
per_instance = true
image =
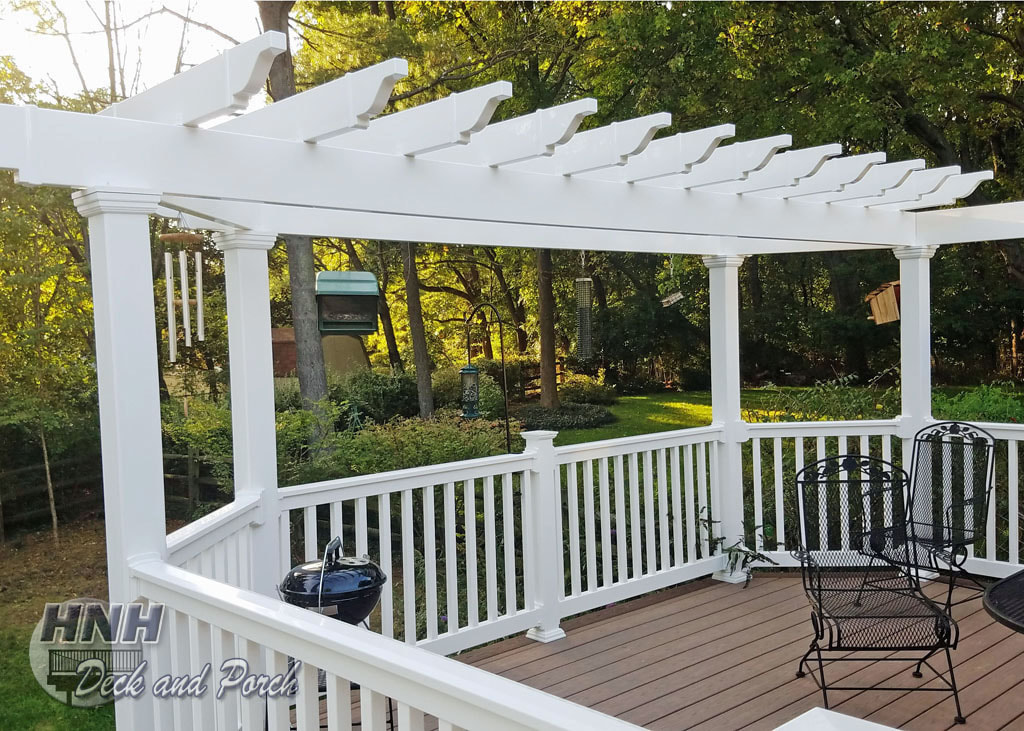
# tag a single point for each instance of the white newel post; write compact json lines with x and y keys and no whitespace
{"x":546,"y":538}
{"x":915,"y":343}
{"x":723,"y":274}
{"x":253,"y":426}
{"x":129,"y":399}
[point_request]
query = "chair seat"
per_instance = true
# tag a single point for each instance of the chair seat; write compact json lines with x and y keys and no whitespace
{"x":884,"y":619}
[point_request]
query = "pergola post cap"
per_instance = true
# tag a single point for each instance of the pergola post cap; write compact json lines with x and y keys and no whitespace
{"x":244,"y":239}
{"x":717,"y":261}
{"x":915,"y":252}
{"x":93,"y":201}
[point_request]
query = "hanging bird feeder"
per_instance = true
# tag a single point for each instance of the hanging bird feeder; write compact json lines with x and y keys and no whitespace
{"x":347,"y":303}
{"x":584,"y":330}
{"x":885,"y":303}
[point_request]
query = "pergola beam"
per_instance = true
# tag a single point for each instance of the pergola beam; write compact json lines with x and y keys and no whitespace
{"x":876,"y":181}
{"x":220,"y":86}
{"x":668,"y":156}
{"x":832,"y":176}
{"x":781,"y":171}
{"x":51,"y":147}
{"x":204,"y":213}
{"x":995,"y":222}
{"x":726,"y":164}
{"x":949,"y":191}
{"x":339,"y":106}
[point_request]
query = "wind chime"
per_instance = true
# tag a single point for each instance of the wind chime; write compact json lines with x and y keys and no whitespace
{"x":584,"y":304}
{"x":185,"y":301}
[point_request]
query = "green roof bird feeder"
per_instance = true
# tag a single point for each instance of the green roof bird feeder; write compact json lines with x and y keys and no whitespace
{"x":470,"y":391}
{"x":346,"y":303}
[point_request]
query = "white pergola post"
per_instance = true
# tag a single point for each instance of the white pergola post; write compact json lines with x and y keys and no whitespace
{"x":915,"y":343}
{"x":723,"y":273}
{"x":253,"y":426}
{"x":129,"y":400}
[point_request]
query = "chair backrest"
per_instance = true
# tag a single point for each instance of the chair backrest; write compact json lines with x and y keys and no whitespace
{"x":847,"y":504}
{"x":951,"y":481}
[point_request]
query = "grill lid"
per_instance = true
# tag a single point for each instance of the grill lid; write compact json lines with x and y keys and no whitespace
{"x":344,"y":576}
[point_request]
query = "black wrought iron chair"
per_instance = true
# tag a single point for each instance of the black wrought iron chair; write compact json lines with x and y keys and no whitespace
{"x":862,"y":599}
{"x":951,"y":484}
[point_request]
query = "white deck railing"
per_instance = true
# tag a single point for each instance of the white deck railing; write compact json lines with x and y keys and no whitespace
{"x":218,"y":545}
{"x":210,"y":621}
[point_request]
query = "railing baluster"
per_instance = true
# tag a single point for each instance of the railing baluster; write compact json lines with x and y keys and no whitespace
{"x":990,"y":519}
{"x":372,"y":710}
{"x":472,"y":597}
{"x":1011,"y":501}
{"x":430,"y":559}
{"x":409,"y":718}
{"x":181,"y":664}
{"x":451,"y":561}
{"x":387,"y":606}
{"x":226,"y":707}
{"x":362,"y":544}
{"x":508,"y":523}
{"x":588,"y":519}
{"x":679,"y":552}
{"x":620,"y":519}
{"x":755,"y":458}
{"x":780,"y":502}
{"x":798,"y":448}
{"x":231,"y":557}
{"x":253,"y":708}
{"x":573,"y":508}
{"x":309,"y":533}
{"x":651,"y":555}
{"x":663,"y":490}
{"x":525,"y":520}
{"x":844,"y":500}
{"x":278,"y":706}
{"x":201,"y":652}
{"x":408,"y":571}
{"x":490,"y":544}
{"x":307,"y":702}
{"x":702,"y":501}
{"x":887,"y":494}
{"x":338,"y":522}
{"x":339,"y":704}
{"x":692,"y":529}
{"x":285,"y":525}
{"x":634,"y":515}
{"x":606,"y":522}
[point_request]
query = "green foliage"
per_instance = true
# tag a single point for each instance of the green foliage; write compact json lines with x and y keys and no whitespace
{"x":206,"y":430}
{"x":447,"y":385}
{"x":567,"y":416}
{"x":637,"y":385}
{"x":997,"y":402}
{"x":374,"y":395}
{"x":581,"y":389}
{"x":404,"y":443}
{"x":836,"y":400}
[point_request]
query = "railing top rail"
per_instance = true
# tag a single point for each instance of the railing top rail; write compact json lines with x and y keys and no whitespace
{"x":1001,"y":430}
{"x":298,"y":496}
{"x":625,"y":445}
{"x":461,"y":694}
{"x":193,"y":538}
{"x":823,"y":428}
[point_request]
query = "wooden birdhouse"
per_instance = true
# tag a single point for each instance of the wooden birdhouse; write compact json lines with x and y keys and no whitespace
{"x":885,"y":303}
{"x":346,"y":303}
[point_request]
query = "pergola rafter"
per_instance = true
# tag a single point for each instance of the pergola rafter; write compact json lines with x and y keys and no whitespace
{"x":323,"y":162}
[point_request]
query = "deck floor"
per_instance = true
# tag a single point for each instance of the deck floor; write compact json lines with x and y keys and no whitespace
{"x":716,"y":657}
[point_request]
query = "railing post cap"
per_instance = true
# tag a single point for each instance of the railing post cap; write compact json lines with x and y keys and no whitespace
{"x":538,"y":435}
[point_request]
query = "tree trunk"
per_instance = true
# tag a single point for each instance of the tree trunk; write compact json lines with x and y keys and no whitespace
{"x":421,"y":357}
{"x":383,"y":311}
{"x":49,"y":485}
{"x":308,"y":348}
{"x":548,"y":377}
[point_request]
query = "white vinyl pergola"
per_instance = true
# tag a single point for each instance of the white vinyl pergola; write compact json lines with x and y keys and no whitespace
{"x":324,"y":163}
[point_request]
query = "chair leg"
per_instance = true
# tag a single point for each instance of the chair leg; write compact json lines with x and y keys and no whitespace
{"x":959,"y":718}
{"x":922,"y":661}
{"x":864,"y":582}
{"x":821,"y":674}
{"x":800,"y":668}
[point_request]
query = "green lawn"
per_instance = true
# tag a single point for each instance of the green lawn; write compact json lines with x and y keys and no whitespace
{"x":654,"y":413}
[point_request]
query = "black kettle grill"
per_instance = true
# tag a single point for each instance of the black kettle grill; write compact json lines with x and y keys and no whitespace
{"x":343,"y":587}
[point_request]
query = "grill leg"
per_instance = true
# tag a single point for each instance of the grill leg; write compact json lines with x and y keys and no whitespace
{"x":959,"y":718}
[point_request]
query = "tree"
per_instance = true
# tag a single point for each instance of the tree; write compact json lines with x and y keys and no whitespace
{"x":309,"y":349}
{"x":548,"y":377}
{"x":421,"y":358}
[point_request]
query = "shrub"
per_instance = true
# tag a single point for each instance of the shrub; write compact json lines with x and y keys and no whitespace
{"x":404,"y":443}
{"x":286,"y":394}
{"x":567,"y":416}
{"x":638,"y":385}
{"x":580,"y":389}
{"x":513,"y":368}
{"x":836,"y":400}
{"x":447,"y":387}
{"x":993,"y":402}
{"x":375,"y":396}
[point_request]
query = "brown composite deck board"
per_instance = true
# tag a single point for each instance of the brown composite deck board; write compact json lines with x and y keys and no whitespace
{"x":720,"y":657}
